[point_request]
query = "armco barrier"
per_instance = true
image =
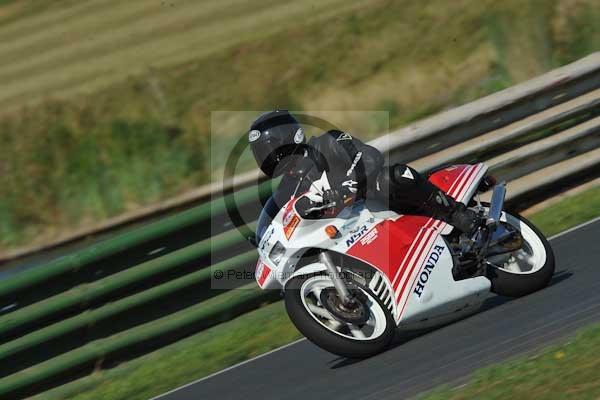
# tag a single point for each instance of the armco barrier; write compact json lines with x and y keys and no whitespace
{"x":92,"y":317}
{"x":460,"y":124}
{"x":165,"y":330}
{"x":540,"y":154}
{"x":515,"y":131}
{"x":487,"y":113}
{"x":37,"y":314}
{"x":423,"y":138}
{"x":527,"y":190}
{"x":550,"y":121}
{"x":82,"y":258}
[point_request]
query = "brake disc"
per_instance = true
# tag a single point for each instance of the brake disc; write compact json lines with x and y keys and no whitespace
{"x":355,"y":313}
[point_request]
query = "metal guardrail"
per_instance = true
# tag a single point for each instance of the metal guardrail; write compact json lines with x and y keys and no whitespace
{"x":14,"y":291}
{"x":539,"y":134}
{"x":410,"y":143}
{"x":21,"y":345}
{"x":164,"y":330}
{"x":576,"y":109}
{"x":498,"y":113}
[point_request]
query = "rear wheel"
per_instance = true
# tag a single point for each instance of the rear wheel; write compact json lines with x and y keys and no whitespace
{"x":526,"y":270}
{"x":357,"y":331}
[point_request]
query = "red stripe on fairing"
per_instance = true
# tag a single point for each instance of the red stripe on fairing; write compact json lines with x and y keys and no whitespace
{"x":421,"y":242}
{"x":461,"y":189}
{"x":408,"y":256}
{"x":473,"y":178}
{"x":463,"y":184}
{"x":432,"y":234}
{"x":431,"y":238}
{"x":417,"y":241}
{"x":402,"y":244}
{"x":448,"y":179}
{"x":414,"y":264}
{"x":437,"y":222}
{"x":414,"y":280}
{"x":393,"y":241}
{"x":456,"y":182}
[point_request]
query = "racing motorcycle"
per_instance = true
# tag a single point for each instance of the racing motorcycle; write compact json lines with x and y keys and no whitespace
{"x":351,"y":280}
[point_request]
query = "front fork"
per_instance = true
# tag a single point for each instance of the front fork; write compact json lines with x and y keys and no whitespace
{"x":339,"y":284}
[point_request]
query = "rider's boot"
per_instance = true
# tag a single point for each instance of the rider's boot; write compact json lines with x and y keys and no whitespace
{"x":406,"y":189}
{"x":444,"y":207}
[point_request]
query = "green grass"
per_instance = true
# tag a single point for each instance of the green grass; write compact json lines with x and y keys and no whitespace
{"x":568,"y":212}
{"x":81,"y":78}
{"x":269,"y":327}
{"x":566,"y":372}
{"x":200,"y":355}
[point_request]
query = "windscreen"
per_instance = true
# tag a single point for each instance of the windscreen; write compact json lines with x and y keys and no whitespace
{"x":265,"y":218}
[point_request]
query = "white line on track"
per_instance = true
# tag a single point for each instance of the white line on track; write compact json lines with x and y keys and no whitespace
{"x":575,"y":228}
{"x":303,"y":339}
{"x":230,"y":368}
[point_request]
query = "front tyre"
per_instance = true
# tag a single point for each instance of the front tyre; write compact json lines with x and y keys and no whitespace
{"x":312,"y":305}
{"x":526,"y":270}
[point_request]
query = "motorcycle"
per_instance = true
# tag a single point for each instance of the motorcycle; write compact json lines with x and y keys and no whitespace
{"x":350,"y":281}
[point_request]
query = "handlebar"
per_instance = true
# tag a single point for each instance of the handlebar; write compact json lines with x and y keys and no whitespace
{"x":322,"y":207}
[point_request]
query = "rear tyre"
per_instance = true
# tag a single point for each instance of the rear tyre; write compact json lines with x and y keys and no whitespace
{"x":309,"y":302}
{"x":526,"y":270}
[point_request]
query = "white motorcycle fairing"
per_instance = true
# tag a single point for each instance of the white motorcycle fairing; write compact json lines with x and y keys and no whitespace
{"x":411,"y":261}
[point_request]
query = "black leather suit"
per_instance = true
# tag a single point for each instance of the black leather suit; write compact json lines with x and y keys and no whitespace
{"x":357,"y":171}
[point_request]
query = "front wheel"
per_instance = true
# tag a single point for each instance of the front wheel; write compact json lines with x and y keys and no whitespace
{"x":359,"y":331}
{"x":526,"y":270}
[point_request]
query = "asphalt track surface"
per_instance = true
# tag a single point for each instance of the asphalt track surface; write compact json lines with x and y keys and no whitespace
{"x":505,"y":328}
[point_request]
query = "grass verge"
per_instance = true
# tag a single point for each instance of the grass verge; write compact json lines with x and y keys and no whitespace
{"x":568,"y":212}
{"x":200,"y":355}
{"x":567,"y":371}
{"x":269,"y":327}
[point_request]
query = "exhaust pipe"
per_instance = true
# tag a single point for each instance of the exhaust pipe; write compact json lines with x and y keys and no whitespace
{"x":497,"y":204}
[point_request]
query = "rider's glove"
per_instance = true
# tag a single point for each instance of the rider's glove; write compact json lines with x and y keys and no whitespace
{"x":332,"y":196}
{"x":338,"y":198}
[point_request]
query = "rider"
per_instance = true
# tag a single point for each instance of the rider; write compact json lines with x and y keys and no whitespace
{"x":353,"y":169}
